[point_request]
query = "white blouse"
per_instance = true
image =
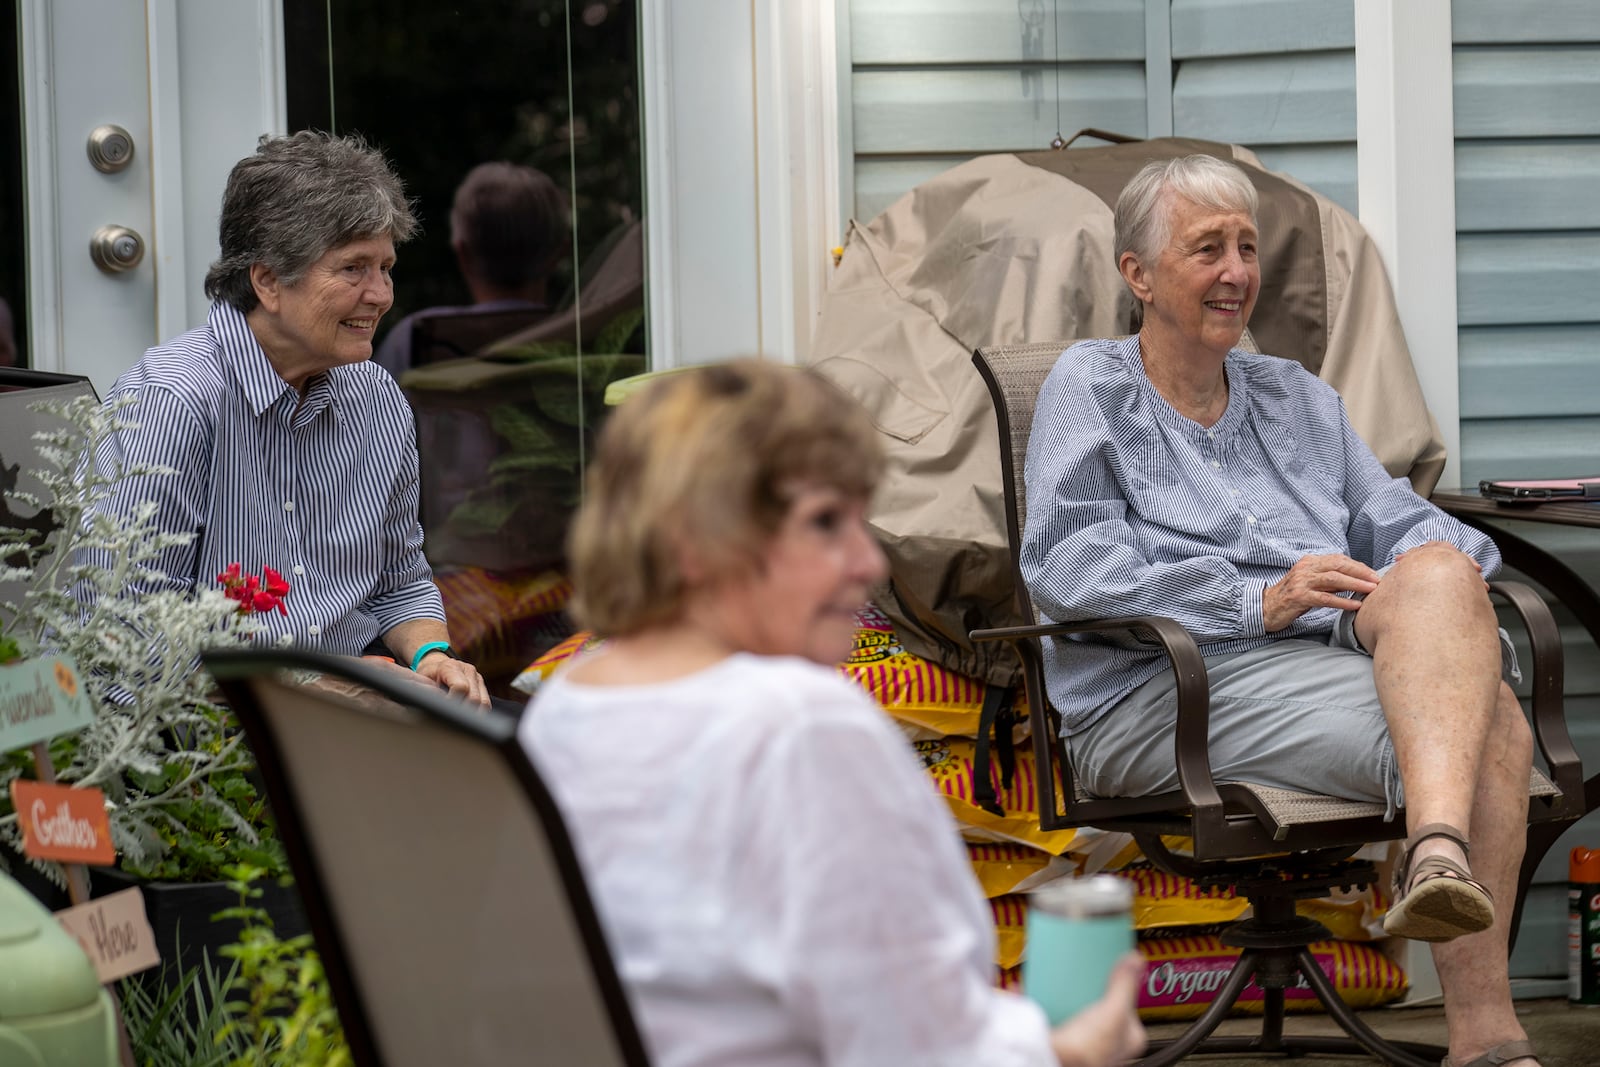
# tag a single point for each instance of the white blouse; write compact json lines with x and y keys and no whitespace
{"x":779,"y":883}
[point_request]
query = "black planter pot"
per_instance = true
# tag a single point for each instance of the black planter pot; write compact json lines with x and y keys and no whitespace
{"x":180,"y":915}
{"x":46,"y":892}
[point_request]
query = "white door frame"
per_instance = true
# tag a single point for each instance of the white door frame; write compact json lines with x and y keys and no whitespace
{"x":742,"y":197}
{"x":195,"y":84}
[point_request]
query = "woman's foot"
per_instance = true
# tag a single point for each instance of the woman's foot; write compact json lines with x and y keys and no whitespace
{"x":1436,"y":897}
{"x":1510,"y":1054}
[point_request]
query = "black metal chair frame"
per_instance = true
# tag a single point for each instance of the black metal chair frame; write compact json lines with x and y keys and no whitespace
{"x":27,"y":378}
{"x":1238,"y":838}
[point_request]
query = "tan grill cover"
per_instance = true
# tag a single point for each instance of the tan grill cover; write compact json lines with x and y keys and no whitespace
{"x":1006,"y":249}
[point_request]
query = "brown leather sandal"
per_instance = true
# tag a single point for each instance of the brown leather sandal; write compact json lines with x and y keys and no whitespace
{"x":1511,"y":1050}
{"x":1437,"y":899}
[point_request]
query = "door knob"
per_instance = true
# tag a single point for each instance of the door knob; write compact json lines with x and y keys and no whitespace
{"x":110,"y":148}
{"x":115,"y":249}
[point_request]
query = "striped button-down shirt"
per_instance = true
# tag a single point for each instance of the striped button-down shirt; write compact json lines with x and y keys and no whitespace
{"x":323,"y":490}
{"x":1134,"y":509}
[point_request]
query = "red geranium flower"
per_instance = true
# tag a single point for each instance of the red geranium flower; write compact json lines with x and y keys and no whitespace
{"x":252,"y":593}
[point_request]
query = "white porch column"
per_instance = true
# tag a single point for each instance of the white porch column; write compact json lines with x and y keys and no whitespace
{"x":741,"y":161}
{"x":1405,"y":148}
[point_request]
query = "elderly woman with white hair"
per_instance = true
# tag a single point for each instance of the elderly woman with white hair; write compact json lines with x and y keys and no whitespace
{"x":1344,"y":620}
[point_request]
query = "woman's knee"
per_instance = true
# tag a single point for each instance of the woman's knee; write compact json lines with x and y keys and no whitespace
{"x":1437,"y":561}
{"x":1439,"y":578}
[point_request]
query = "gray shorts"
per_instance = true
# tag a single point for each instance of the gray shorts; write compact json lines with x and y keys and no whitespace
{"x":1296,"y":714}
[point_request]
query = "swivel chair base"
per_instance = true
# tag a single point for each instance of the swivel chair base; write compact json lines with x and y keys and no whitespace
{"x":1276,"y":954}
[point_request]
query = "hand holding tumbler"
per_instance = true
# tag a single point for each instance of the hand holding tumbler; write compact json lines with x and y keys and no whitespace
{"x":1077,"y":931}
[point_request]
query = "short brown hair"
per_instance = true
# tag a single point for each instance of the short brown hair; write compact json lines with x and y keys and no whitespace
{"x":512,"y":221}
{"x":706,"y":457}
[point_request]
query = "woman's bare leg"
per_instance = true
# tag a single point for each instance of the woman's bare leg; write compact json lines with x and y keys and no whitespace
{"x":1464,"y":749}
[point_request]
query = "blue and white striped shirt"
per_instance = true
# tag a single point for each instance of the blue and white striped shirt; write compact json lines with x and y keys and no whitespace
{"x":322,"y":490}
{"x":1135,"y":509}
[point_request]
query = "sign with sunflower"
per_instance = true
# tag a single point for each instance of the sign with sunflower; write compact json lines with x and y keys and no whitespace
{"x":40,"y":699}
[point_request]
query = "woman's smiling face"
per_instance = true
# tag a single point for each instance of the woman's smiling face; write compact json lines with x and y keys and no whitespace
{"x":813,"y":576}
{"x":329,"y":316}
{"x":1199,"y":293}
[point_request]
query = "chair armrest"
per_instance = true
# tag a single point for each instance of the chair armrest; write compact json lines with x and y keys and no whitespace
{"x":1193,"y":692}
{"x":1548,"y":671}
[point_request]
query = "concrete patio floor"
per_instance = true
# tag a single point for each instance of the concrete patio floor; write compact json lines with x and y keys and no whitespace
{"x":1565,"y":1035}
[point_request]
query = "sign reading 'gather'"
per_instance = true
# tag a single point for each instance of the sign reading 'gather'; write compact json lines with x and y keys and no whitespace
{"x":62,"y":823}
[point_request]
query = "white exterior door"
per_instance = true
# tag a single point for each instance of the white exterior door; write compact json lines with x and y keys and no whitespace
{"x":179,"y":90}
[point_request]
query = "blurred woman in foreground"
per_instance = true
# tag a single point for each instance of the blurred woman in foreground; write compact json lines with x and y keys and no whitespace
{"x":779,"y":882}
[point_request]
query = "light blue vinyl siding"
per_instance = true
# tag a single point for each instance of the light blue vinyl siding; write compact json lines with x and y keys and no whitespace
{"x":1277,"y":76}
{"x":963,"y":112}
{"x":934,"y":82}
{"x":1510,"y":369}
{"x":911,"y":32}
{"x":1531,"y":278}
{"x":1505,"y":22}
{"x":1493,"y":180}
{"x":1202,"y":28}
{"x":1527,"y":126}
{"x":1549,"y":91}
{"x":1527,"y":129}
{"x":1262,"y":100}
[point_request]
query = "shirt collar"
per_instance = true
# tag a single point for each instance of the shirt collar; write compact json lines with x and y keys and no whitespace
{"x":1232,"y":415}
{"x":246,"y":360}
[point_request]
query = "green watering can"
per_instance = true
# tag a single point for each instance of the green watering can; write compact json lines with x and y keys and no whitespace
{"x":53,"y":1010}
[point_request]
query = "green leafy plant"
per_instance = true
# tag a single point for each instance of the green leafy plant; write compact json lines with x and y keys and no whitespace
{"x":199,"y":839}
{"x":169,"y":758}
{"x":285,"y":1017}
{"x":185,"y":1022}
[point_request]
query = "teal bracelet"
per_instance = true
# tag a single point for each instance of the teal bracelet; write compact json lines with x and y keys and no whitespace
{"x":431,"y":646}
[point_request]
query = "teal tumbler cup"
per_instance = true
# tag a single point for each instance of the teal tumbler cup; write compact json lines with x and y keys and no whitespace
{"x":1077,"y":931}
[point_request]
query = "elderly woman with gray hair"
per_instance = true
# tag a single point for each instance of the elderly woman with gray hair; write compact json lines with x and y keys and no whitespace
{"x":1350,"y":640}
{"x":291,"y":452}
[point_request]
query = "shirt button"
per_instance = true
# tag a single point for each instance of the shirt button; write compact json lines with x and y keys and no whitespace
{"x":1251,"y":519}
{"x":288,"y":505}
{"x":316,"y":631}
{"x":1217,"y":465}
{"x":299,"y":569}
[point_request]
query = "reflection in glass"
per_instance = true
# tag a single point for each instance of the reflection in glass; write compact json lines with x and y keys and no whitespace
{"x":506,"y":368}
{"x":442,"y":88}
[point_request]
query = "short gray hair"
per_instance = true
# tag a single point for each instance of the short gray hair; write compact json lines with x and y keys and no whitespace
{"x":297,"y":198}
{"x":1143,"y":223}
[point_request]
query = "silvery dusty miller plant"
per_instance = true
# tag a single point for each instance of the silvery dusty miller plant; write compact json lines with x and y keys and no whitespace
{"x":158,"y":734}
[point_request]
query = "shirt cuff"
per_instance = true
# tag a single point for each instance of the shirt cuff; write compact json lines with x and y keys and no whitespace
{"x":1253,"y":620}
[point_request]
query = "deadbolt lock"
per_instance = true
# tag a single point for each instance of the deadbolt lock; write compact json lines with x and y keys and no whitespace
{"x":110,"y":148}
{"x":115,"y":249}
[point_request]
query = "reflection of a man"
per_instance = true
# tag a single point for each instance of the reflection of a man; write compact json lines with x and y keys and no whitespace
{"x":508,"y":226}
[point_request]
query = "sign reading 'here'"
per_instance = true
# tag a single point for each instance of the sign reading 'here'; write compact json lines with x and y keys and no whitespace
{"x":114,"y":932}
